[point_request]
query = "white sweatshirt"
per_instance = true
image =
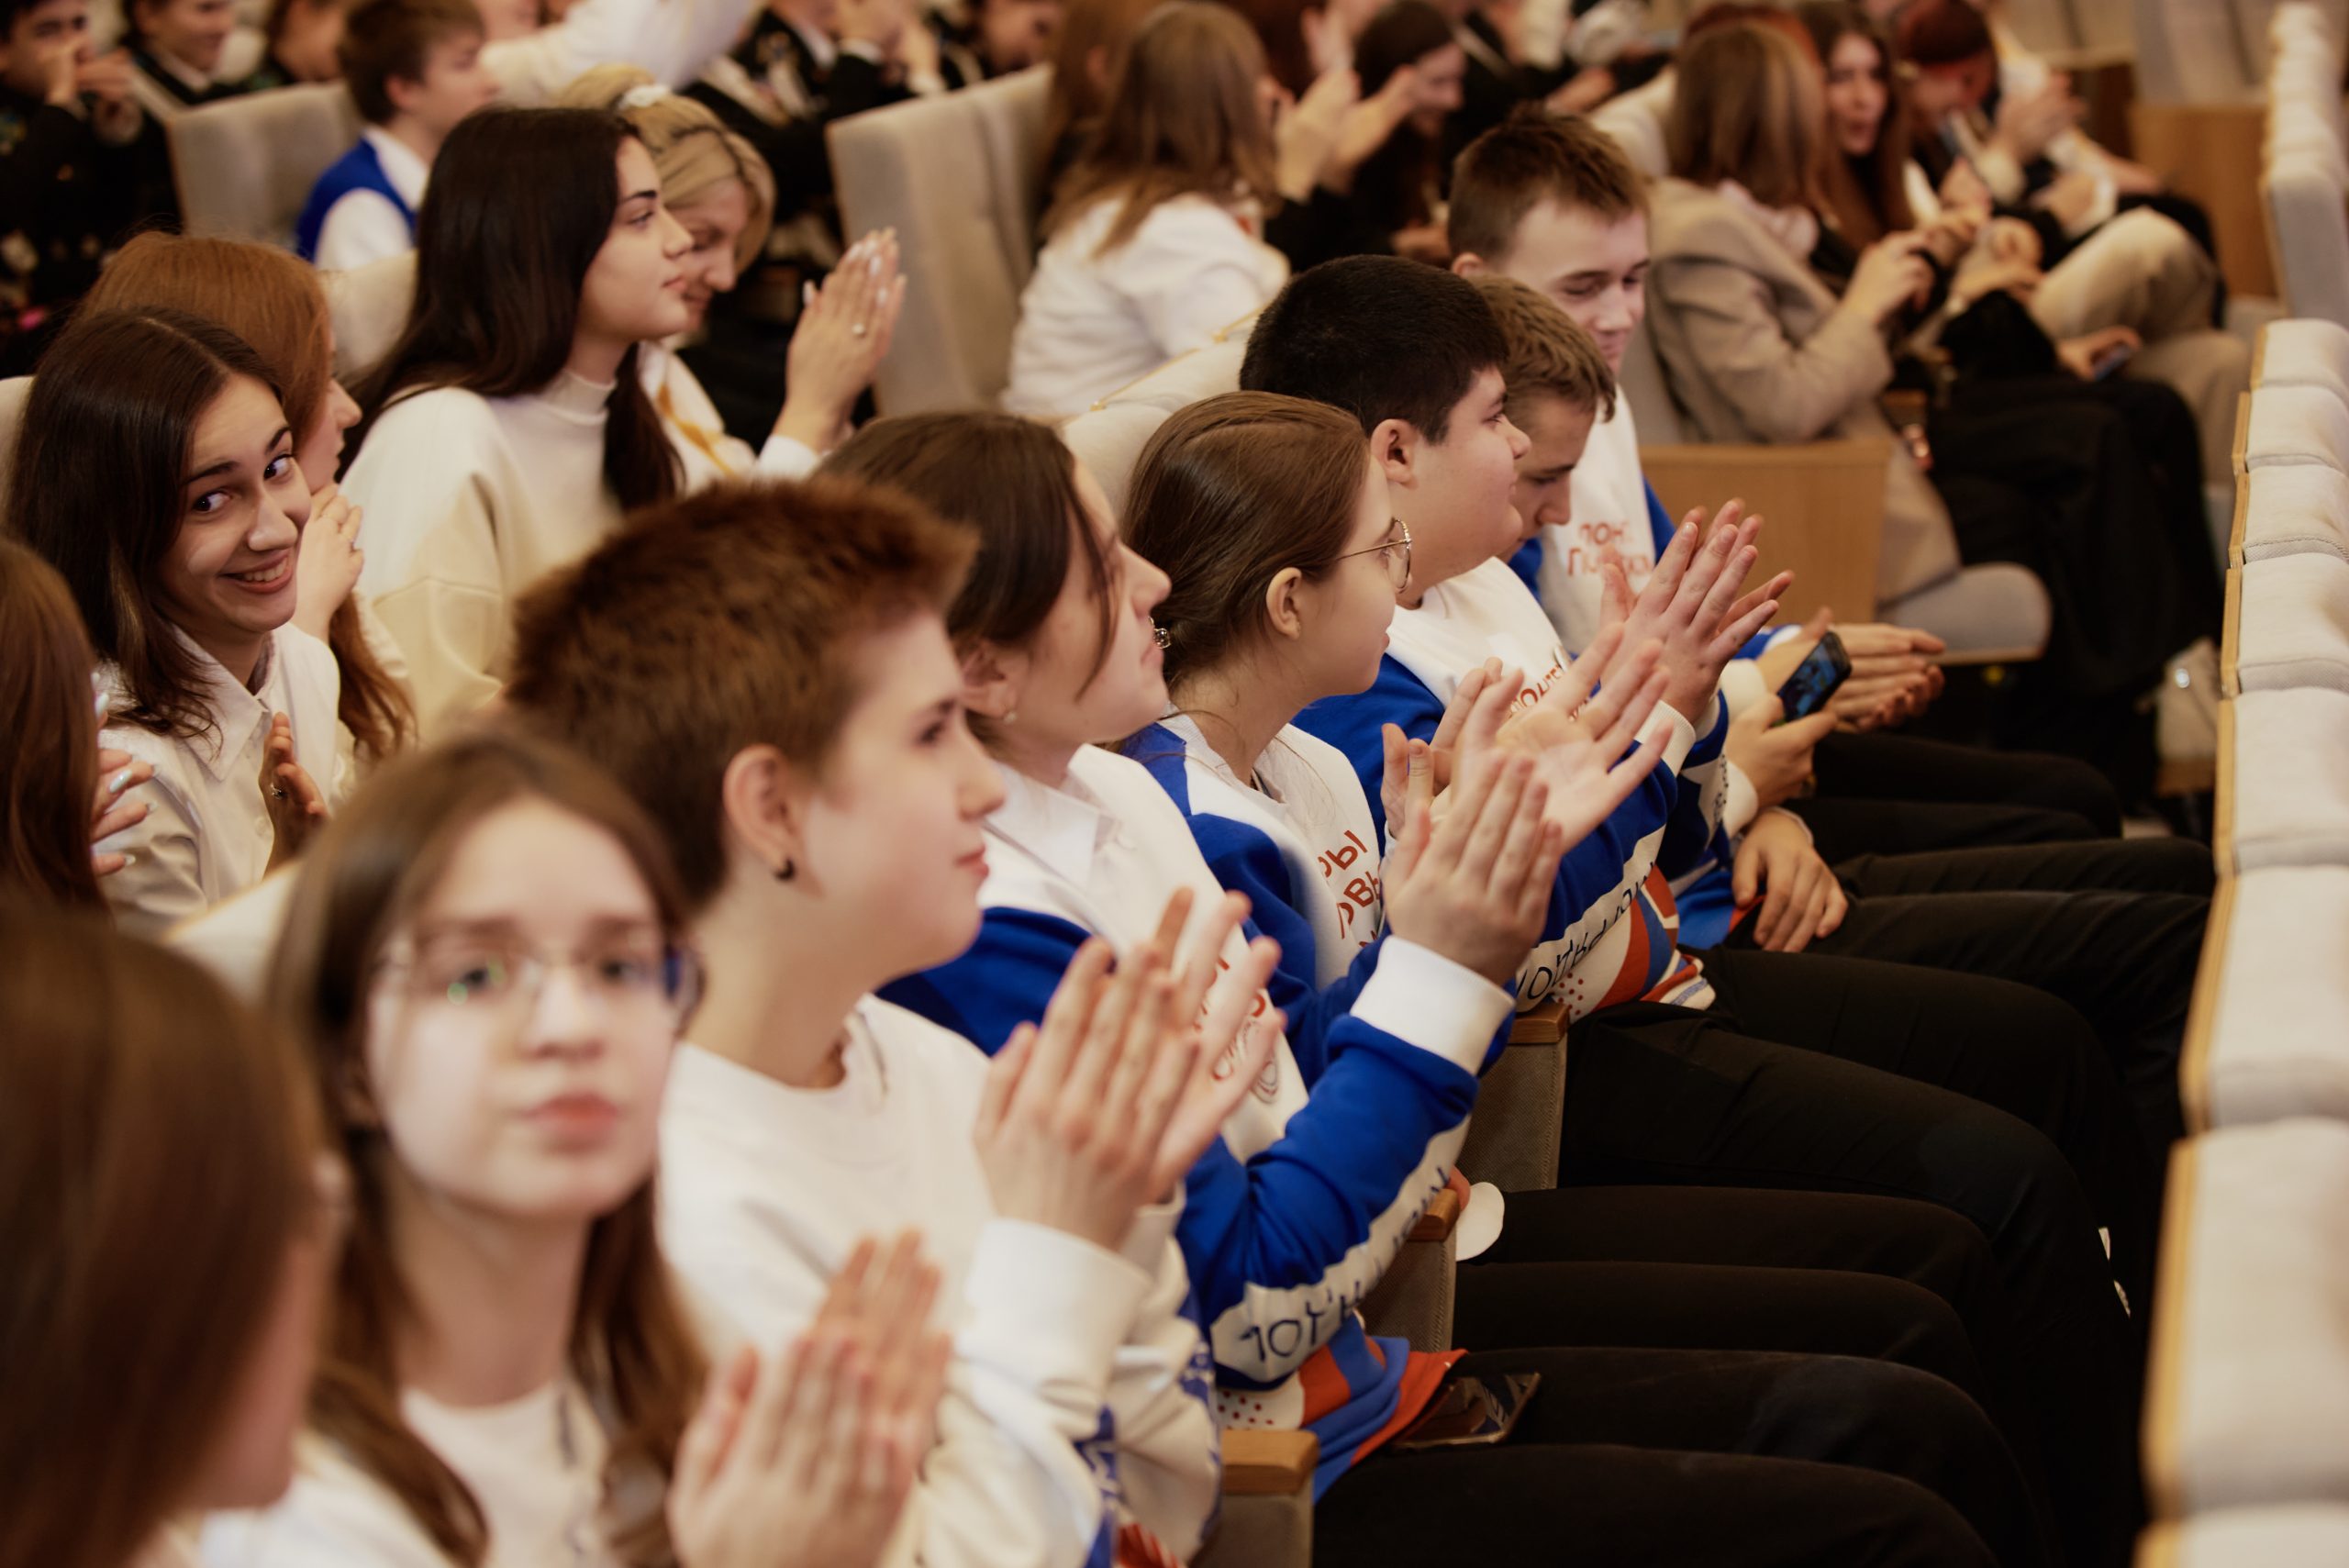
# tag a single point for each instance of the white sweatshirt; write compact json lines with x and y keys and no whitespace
{"x":470,"y":502}
{"x":1078,"y":1396}
{"x":535,"y":1467}
{"x":1089,"y":323}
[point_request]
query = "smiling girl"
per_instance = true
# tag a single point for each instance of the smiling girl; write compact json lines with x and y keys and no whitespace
{"x":510,"y":430}
{"x":182,"y":567}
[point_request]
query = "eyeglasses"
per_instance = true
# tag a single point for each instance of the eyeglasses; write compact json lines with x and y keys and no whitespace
{"x":638,"y":977}
{"x":1394,"y":554}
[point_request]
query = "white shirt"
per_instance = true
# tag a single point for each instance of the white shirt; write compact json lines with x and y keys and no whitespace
{"x":206,"y":834}
{"x":534,"y":1466}
{"x":669,"y":40}
{"x":470,"y":502}
{"x":1608,"y":494}
{"x":698,"y":432}
{"x":363,"y":225}
{"x":765,"y":1189}
{"x":1089,"y":323}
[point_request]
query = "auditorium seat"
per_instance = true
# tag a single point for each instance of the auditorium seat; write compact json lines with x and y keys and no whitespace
{"x":2302,"y":351}
{"x":245,"y":165}
{"x":2286,"y":425}
{"x":2299,"y":509}
{"x":2269,"y":1035}
{"x":2286,"y":625}
{"x":2283,"y":795}
{"x":960,"y":178}
{"x":2250,"y":1359}
{"x":2296,"y":1535}
{"x":1266,"y":1521}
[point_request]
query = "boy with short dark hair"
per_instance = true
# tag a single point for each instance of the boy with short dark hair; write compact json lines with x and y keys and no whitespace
{"x":415,"y":69}
{"x":1829,"y":1065}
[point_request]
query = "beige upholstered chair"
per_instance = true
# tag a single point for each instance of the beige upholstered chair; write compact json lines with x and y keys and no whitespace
{"x":2283,"y":796}
{"x":2269,"y":1035}
{"x":13,"y":394}
{"x":370,"y":307}
{"x":2286,"y":625}
{"x":960,"y":177}
{"x":2250,"y":1363}
{"x":246,"y":165}
{"x":1267,"y":1518}
{"x":2302,"y":351}
{"x":2288,"y":510}
{"x":2297,"y":1535}
{"x":2285,"y":425}
{"x":2301,"y":189}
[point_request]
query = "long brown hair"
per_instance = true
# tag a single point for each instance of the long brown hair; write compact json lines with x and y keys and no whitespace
{"x":1231,"y":492}
{"x":158,"y":1148}
{"x":1093,"y":36}
{"x":1867,"y":195}
{"x":272,"y":300}
{"x":101,"y":472}
{"x":45,"y":708}
{"x":1184,"y":118}
{"x":521,"y":201}
{"x":632,"y":1348}
{"x":1747,"y":108}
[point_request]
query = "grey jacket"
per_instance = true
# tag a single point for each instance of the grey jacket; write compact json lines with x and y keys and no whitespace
{"x":1756,"y":350}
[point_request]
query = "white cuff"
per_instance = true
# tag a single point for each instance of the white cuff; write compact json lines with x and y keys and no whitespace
{"x":1676,"y":744}
{"x":787,"y":457}
{"x":1744,"y":804}
{"x":1425,"y":999}
{"x":1048,"y":1307}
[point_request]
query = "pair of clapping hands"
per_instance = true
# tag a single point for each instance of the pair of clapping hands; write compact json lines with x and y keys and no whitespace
{"x":803,"y":1459}
{"x":1520,"y":783}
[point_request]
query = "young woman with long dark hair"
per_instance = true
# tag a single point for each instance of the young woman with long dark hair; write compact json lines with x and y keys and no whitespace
{"x":509,"y":431}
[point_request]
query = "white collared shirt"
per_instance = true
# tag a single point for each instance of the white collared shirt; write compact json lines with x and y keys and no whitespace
{"x":363,"y":227}
{"x":206,"y":834}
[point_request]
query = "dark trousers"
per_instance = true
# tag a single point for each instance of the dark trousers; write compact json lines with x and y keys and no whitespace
{"x":1715,"y":1268}
{"x":1697,"y":1458}
{"x":2113,"y":927}
{"x":1991,"y":1099}
{"x":1895,"y":794}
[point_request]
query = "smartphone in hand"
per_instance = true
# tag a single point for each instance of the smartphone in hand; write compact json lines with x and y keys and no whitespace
{"x":1825,"y":668}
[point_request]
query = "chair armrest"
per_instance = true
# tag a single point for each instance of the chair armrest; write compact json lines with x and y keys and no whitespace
{"x":1441,"y":1215}
{"x":1544,"y":1023}
{"x":2211,"y":152}
{"x":1826,"y":498}
{"x":1260,"y":1463}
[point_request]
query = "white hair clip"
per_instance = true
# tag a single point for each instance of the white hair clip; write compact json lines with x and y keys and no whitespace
{"x":643,"y":98}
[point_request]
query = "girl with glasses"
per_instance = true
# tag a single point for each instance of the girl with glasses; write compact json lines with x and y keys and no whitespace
{"x":484,"y":959}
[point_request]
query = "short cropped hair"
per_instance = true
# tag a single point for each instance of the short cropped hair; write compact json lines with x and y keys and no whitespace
{"x":1548,"y":355}
{"x":1532,"y":156}
{"x":1377,"y":335}
{"x":387,"y":38}
{"x":732,"y":618}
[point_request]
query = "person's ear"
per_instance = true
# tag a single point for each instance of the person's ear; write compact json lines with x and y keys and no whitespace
{"x":1468,"y":264}
{"x":1395,"y":446}
{"x":403,"y":91}
{"x":993,"y":678}
{"x":1283,"y":613}
{"x":760,"y":798}
{"x":354,"y":1096}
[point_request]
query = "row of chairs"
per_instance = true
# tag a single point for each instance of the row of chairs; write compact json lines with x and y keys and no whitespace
{"x":2247,"y":1458}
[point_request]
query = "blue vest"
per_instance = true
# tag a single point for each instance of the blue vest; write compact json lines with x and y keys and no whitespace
{"x":357,"y":170}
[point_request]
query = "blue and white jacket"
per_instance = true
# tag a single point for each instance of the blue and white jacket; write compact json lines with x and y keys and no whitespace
{"x":1612,"y":931}
{"x":1291,"y":1220}
{"x":361,"y":169}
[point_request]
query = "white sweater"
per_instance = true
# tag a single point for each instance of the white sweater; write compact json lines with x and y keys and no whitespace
{"x":1078,"y":1392}
{"x":535,"y":1467}
{"x":470,"y":502}
{"x":1089,"y":323}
